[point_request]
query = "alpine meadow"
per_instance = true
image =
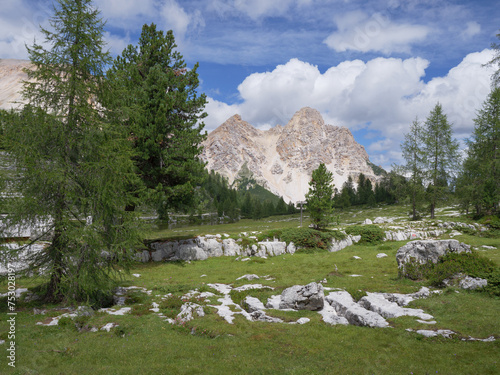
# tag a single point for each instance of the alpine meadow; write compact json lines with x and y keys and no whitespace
{"x":233,"y":187}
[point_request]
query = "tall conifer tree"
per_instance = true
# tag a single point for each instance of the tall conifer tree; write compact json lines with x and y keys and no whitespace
{"x":71,"y":168}
{"x":161,"y":111}
{"x":440,"y":154}
{"x":320,"y":197}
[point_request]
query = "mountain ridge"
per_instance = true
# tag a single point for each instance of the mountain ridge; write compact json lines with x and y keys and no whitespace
{"x":282,"y":158}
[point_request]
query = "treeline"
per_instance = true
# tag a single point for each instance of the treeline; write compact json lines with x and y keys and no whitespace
{"x":385,"y":191}
{"x":249,"y":200}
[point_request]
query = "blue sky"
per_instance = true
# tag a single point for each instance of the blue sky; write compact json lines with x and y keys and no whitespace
{"x":372,"y":66}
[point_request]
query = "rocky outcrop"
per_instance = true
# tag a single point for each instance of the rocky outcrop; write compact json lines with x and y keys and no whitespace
{"x":282,"y":159}
{"x":303,"y":297}
{"x":423,"y":251}
{"x":466,"y":282}
{"x":204,"y":247}
{"x":345,"y":306}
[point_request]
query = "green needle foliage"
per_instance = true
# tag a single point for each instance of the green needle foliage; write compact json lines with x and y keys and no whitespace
{"x":71,"y":168}
{"x":414,"y":167}
{"x":441,"y":156}
{"x":160,"y":110}
{"x":479,"y":182}
{"x":320,"y":197}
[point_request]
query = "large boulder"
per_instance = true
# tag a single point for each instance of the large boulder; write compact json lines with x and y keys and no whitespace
{"x":303,"y":297}
{"x":345,"y":306}
{"x":424,"y":251}
{"x":377,"y":303}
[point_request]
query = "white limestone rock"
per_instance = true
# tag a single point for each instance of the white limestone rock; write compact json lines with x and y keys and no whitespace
{"x":230,"y":247}
{"x":252,"y":304}
{"x":466,"y":282}
{"x":189,"y":310}
{"x":260,"y":316}
{"x":248,"y":277}
{"x":377,"y":303}
{"x":345,"y":306}
{"x":303,"y":297}
{"x":423,"y":251}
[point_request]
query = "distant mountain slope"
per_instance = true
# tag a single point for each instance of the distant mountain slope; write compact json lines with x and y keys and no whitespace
{"x":282,"y":159}
{"x":11,"y":82}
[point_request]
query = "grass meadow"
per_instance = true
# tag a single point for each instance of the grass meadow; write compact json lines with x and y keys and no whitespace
{"x":144,"y":343}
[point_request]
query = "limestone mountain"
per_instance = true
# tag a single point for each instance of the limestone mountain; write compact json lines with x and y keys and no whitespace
{"x":282,"y":158}
{"x":12,"y":76}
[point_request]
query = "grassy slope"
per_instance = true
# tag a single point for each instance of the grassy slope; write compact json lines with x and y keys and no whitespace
{"x":151,"y":346}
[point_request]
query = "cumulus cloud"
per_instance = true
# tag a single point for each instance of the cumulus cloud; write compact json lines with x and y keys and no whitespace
{"x":357,"y":31}
{"x":382,"y":96}
{"x":176,"y":18}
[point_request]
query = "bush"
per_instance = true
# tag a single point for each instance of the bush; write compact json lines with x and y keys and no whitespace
{"x":414,"y":270}
{"x":370,"y":234}
{"x":471,"y":264}
{"x":305,"y":238}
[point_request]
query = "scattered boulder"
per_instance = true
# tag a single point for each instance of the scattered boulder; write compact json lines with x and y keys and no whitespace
{"x":188,"y":310}
{"x":465,"y":282}
{"x":248,"y":277}
{"x":368,"y":222}
{"x":303,"y":297}
{"x":252,"y":304}
{"x":345,"y":306}
{"x":382,"y":255}
{"x":423,"y":251}
{"x":260,"y":316}
{"x":377,"y":303}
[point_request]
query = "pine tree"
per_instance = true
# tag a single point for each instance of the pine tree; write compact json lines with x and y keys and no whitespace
{"x":319,"y":198}
{"x":161,"y":111}
{"x":72,"y":168}
{"x":440,"y":155}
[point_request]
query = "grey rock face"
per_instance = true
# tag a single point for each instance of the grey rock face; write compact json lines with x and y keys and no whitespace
{"x":345,"y":306}
{"x":466,"y":282}
{"x":377,"y":303}
{"x":303,"y":297}
{"x":252,"y":304}
{"x":424,"y":251}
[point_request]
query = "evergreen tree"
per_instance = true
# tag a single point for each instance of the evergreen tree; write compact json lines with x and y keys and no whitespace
{"x":160,"y":109}
{"x":412,"y":149}
{"x":482,"y":167}
{"x":440,"y":155}
{"x":71,"y":167}
{"x":495,"y":61}
{"x":319,"y":197}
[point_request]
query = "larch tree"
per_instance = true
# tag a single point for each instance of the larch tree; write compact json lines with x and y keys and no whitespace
{"x":71,"y":168}
{"x":440,"y":155}
{"x":161,"y":112}
{"x":319,"y":198}
{"x":413,"y":169}
{"x":481,"y":175}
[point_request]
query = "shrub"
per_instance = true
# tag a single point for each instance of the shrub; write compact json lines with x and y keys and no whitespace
{"x":471,"y":264}
{"x":304,"y":238}
{"x":415,"y":270}
{"x":370,"y":234}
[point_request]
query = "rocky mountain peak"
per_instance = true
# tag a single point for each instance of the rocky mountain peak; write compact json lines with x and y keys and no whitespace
{"x":282,"y":158}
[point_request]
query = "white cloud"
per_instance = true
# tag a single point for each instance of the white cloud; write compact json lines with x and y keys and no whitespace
{"x":382,"y":95}
{"x":357,"y":31}
{"x":473,"y":29}
{"x":175,"y":18}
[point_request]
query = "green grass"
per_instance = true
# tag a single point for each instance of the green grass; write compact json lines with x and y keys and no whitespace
{"x":144,"y":344}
